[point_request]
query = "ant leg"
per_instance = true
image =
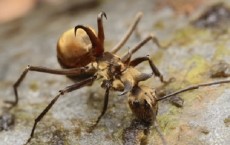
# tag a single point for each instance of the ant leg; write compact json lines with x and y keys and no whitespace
{"x":127,"y":35}
{"x":70,"y":72}
{"x":160,"y":132}
{"x":140,"y":44}
{"x":106,"y":100}
{"x":101,"y":35}
{"x":155,"y":70}
{"x":61,"y":93}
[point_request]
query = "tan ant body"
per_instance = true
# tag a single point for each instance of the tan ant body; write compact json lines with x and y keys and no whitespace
{"x":80,"y":51}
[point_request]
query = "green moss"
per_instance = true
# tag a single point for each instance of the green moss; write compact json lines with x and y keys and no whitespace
{"x":157,"y":56}
{"x":26,"y":116}
{"x":169,"y":121}
{"x":189,"y":34}
{"x":189,"y":97}
{"x":198,"y":65}
{"x":220,"y":52}
{"x":34,"y":86}
{"x":159,"y":25}
{"x":21,"y":115}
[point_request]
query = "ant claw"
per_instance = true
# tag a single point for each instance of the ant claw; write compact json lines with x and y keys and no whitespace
{"x":91,"y":128}
{"x":11,"y":103}
{"x":170,"y":80}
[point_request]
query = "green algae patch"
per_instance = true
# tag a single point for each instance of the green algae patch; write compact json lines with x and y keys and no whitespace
{"x":23,"y":116}
{"x":28,"y":114}
{"x":159,"y":25}
{"x":189,"y":35}
{"x":189,"y":97}
{"x":220,"y":52}
{"x":197,"y":66}
{"x":170,"y":120}
{"x":157,"y":56}
{"x":34,"y":86}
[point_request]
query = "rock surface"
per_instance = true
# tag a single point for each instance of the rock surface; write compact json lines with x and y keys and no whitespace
{"x":189,"y":57}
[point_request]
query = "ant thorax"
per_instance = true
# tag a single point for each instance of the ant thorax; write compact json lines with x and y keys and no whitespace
{"x":110,"y":68}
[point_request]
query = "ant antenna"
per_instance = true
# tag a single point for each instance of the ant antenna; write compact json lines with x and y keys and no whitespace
{"x":193,"y":88}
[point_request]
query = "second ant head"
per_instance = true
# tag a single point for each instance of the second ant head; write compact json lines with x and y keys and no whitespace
{"x":142,"y":101}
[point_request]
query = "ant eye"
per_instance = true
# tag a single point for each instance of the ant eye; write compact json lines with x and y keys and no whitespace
{"x":146,"y":104}
{"x":117,"y":66}
{"x":136,"y":103}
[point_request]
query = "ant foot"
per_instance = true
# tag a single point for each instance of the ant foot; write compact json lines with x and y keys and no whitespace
{"x":11,"y":103}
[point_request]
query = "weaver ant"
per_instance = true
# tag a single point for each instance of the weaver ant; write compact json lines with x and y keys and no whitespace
{"x":80,"y":52}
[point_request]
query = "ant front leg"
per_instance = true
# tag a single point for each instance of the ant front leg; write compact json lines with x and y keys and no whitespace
{"x":68,"y":72}
{"x":125,"y":57}
{"x":107,"y":85}
{"x":155,"y":70}
{"x":128,"y":34}
{"x":61,"y":93}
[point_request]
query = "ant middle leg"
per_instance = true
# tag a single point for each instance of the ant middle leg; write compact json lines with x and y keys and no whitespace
{"x":61,"y":93}
{"x":68,"y":72}
{"x":155,"y":70}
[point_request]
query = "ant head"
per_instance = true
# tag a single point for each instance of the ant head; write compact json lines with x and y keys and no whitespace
{"x":114,"y":63}
{"x":142,"y":101}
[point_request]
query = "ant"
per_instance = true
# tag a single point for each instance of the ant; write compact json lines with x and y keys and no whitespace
{"x":81,"y":54}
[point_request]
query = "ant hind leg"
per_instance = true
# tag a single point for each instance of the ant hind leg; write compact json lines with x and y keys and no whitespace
{"x":106,"y":100}
{"x":61,"y":93}
{"x":68,"y":72}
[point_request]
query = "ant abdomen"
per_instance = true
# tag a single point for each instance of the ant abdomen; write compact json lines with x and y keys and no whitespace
{"x":74,"y":50}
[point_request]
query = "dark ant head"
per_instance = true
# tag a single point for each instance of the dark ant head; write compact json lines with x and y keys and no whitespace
{"x":115,"y":68}
{"x":142,"y":101}
{"x":114,"y":64}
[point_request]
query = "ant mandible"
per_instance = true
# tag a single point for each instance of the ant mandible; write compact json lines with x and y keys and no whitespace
{"x":80,"y":52}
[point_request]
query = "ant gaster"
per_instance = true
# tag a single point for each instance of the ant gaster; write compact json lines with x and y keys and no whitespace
{"x":80,"y":52}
